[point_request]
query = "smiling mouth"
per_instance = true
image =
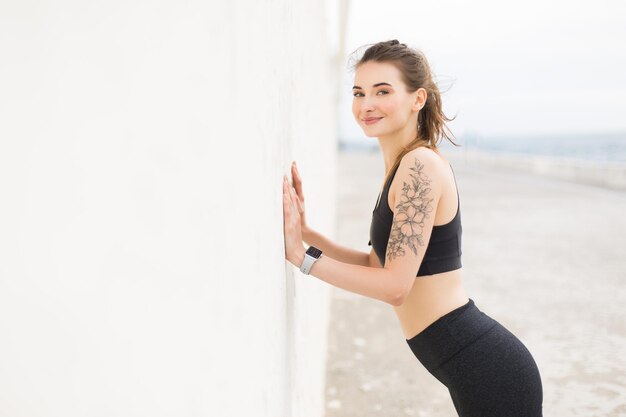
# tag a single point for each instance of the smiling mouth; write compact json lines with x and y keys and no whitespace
{"x":371,"y":120}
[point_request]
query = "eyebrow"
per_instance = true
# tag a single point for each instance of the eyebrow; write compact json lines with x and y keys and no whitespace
{"x":375,"y":85}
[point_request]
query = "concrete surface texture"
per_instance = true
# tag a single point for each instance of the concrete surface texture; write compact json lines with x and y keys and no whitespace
{"x":544,"y":257}
{"x":142,"y":264}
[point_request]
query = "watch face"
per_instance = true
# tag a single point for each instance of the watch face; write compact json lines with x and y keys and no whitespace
{"x":314,"y":252}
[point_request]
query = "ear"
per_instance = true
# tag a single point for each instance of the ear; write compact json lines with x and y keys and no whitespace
{"x":420,"y":99}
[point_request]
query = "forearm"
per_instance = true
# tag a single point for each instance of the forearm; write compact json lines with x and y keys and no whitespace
{"x":371,"y":282}
{"x":331,"y":249}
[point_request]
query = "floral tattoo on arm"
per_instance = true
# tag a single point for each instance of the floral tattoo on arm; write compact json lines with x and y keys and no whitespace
{"x":413,"y":209}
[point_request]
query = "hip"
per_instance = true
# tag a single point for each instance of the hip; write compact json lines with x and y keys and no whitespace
{"x":487,"y":369}
{"x":468,"y":346}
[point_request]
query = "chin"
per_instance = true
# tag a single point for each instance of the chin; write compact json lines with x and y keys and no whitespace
{"x":371,"y":133}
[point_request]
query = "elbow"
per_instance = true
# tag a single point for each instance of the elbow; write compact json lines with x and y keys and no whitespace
{"x":398,"y":298}
{"x":400,"y":294}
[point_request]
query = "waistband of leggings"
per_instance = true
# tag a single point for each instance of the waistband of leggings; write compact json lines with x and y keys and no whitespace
{"x":449,"y":334}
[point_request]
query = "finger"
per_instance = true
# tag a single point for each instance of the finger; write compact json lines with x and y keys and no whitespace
{"x":286,"y":184}
{"x":295,"y":201}
{"x":285,"y":189}
{"x":289,"y":194}
{"x":287,"y":213}
{"x":297,"y":183}
{"x":300,"y":208}
{"x":295,"y":172}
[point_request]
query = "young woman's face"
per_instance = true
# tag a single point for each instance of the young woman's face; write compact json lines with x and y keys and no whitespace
{"x":381,"y":105}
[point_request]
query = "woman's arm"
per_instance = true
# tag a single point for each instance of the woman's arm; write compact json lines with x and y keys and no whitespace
{"x":416,"y":196}
{"x":378,"y":283}
{"x":333,"y":250}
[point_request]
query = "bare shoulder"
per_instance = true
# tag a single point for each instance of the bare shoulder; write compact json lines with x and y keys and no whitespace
{"x":419,"y":166}
{"x":428,"y":157}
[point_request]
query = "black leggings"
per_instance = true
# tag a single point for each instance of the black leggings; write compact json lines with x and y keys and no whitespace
{"x":488,"y":371}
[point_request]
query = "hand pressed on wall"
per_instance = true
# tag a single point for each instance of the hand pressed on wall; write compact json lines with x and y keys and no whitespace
{"x":297,"y":185}
{"x":292,"y":224}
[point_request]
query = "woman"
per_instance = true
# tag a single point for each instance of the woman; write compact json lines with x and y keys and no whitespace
{"x":415,"y":261}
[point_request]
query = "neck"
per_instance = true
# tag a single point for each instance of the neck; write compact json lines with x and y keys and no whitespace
{"x":392,"y":144}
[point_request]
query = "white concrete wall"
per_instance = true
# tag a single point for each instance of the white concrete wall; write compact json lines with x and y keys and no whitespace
{"x":142,"y":148}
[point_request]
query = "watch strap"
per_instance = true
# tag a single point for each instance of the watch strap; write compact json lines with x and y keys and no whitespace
{"x":307,"y":263}
{"x":309,"y":259}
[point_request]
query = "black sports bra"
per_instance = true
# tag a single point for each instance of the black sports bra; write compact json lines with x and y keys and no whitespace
{"x":444,"y":247}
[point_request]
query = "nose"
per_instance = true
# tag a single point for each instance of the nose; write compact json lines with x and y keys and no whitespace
{"x":367,"y":105}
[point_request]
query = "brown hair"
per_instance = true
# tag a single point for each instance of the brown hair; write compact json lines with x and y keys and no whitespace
{"x":416,"y":74}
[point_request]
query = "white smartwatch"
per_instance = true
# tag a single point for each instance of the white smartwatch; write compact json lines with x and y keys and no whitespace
{"x":312,"y":254}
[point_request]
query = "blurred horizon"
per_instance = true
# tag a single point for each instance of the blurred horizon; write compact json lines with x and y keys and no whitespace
{"x":599,"y":146}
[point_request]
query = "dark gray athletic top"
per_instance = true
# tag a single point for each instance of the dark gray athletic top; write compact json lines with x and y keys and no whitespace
{"x":444,"y":247}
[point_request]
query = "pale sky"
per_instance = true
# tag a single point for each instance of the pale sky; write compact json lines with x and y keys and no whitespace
{"x":516,"y":68}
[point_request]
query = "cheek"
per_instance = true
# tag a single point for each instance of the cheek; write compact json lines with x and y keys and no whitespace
{"x":390,"y":107}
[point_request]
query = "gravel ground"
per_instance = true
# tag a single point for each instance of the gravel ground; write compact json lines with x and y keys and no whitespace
{"x":544,"y":257}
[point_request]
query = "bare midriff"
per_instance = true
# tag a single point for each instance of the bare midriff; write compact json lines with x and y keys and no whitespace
{"x":430,"y":298}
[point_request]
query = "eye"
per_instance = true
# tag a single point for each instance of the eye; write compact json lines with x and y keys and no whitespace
{"x":383,"y":91}
{"x":356,"y":94}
